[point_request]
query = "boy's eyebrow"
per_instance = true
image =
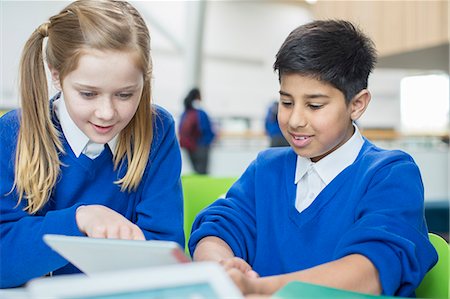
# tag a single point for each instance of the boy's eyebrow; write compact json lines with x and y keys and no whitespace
{"x":315,"y":96}
{"x":285,"y":94}
{"x":307,"y":96}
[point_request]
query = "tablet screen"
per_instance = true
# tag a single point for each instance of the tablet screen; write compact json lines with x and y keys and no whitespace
{"x":92,"y":255}
{"x":199,"y":280}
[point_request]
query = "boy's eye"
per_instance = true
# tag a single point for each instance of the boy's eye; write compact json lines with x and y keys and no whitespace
{"x":87,"y":94}
{"x":315,"y":106}
{"x":124,"y":96}
{"x":286,"y":103}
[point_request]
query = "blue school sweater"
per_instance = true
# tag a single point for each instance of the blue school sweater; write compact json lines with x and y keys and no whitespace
{"x":156,"y":206}
{"x":374,"y":207}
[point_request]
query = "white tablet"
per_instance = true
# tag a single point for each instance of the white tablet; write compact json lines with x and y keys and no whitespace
{"x":198,"y":280}
{"x":92,"y":255}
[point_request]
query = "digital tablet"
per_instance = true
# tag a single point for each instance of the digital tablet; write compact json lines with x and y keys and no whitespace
{"x":200,"y":280}
{"x":93,"y":255}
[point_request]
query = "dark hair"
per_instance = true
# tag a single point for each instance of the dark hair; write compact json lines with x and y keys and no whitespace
{"x":332,"y":51}
{"x":193,"y":94}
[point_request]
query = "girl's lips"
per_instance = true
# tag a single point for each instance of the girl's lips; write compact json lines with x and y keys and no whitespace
{"x":102,"y":129}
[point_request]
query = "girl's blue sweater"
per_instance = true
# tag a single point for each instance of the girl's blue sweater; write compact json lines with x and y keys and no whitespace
{"x":156,"y":206}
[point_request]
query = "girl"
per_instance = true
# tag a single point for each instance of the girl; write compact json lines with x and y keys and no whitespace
{"x":98,"y":159}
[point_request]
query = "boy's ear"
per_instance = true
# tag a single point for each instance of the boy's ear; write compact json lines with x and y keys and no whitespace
{"x":55,"y":78}
{"x":359,"y":104}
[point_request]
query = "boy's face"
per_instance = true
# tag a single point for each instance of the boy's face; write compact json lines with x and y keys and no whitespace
{"x":103,"y":93}
{"x":314,"y":116}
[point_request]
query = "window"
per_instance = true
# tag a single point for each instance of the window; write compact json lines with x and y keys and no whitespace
{"x":425,"y":104}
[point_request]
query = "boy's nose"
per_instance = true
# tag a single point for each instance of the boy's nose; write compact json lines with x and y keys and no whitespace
{"x":297,"y":119}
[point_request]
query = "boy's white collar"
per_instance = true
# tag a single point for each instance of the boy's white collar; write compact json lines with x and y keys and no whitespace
{"x":331,"y":165}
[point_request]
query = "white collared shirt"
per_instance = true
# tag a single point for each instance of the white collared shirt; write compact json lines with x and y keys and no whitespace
{"x":311,"y":178}
{"x":78,"y":141}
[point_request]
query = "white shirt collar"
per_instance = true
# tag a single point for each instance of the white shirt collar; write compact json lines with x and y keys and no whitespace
{"x":78,"y":141}
{"x":331,"y":165}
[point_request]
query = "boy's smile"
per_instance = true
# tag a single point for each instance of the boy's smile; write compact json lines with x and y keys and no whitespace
{"x":314,"y":116}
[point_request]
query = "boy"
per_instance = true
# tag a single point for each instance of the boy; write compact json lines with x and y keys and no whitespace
{"x":331,"y":209}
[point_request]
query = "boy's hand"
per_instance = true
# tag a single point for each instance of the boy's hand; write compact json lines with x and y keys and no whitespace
{"x":241,"y":273}
{"x":247,"y":284}
{"x":239,"y":264}
{"x":98,"y":221}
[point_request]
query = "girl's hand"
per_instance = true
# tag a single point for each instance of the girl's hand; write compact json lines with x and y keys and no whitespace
{"x":98,"y":221}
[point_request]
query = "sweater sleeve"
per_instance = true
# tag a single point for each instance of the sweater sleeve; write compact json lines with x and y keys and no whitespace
{"x":390,"y":228}
{"x":23,"y":253}
{"x":231,"y":219}
{"x":159,"y":213}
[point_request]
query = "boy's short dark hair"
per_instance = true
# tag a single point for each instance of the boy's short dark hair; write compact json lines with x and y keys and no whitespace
{"x":332,"y":51}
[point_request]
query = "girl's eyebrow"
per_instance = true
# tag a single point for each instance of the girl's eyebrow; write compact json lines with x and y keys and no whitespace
{"x":85,"y":86}
{"x":79,"y":85}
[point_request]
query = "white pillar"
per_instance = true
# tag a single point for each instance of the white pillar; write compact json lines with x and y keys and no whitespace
{"x":195,"y":15}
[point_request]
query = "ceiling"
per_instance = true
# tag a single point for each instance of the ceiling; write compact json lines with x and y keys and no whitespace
{"x":430,"y":58}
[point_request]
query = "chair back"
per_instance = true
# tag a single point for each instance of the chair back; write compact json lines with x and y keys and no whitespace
{"x":200,"y":191}
{"x":436,"y":282}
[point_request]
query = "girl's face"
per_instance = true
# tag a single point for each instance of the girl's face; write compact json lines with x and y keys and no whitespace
{"x":314,"y":117}
{"x":102,"y":94}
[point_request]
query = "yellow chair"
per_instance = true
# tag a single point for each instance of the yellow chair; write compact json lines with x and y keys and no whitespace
{"x":436,"y":282}
{"x":200,"y":191}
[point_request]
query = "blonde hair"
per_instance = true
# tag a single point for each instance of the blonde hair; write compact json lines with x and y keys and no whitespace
{"x":84,"y":24}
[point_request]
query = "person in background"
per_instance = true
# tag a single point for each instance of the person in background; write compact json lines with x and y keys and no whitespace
{"x":272,"y":128}
{"x":196,"y":132}
{"x":332,"y":209}
{"x":97,"y":159}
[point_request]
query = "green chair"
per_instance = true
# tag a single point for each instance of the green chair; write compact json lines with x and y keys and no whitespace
{"x":200,"y":191}
{"x":436,"y":282}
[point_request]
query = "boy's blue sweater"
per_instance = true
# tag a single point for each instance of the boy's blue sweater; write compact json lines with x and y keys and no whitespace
{"x":374,"y":207}
{"x":156,"y":206}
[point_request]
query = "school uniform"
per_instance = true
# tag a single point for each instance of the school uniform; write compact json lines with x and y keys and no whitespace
{"x":365,"y":200}
{"x":86,"y":177}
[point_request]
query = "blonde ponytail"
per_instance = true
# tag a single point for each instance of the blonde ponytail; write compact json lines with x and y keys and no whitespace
{"x":43,"y":29}
{"x":37,"y":161}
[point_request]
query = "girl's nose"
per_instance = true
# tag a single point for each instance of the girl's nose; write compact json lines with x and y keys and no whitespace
{"x":105,"y":109}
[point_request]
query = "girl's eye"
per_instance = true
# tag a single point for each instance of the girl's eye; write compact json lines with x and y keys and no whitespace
{"x":124,"y":96}
{"x":87,"y":94}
